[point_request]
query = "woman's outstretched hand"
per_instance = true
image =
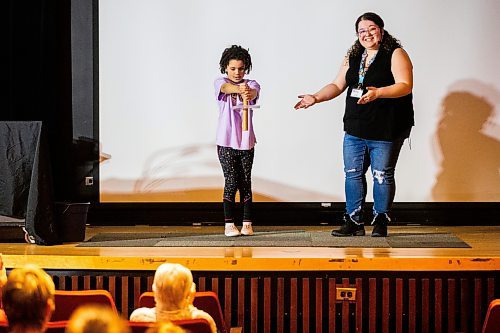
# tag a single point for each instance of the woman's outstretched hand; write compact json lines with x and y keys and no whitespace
{"x":305,"y":102}
{"x":371,"y":95}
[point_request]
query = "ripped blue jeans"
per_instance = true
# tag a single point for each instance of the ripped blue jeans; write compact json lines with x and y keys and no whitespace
{"x":382,"y":156}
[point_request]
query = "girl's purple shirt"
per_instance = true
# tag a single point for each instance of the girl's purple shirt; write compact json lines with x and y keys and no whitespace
{"x":229,"y":128}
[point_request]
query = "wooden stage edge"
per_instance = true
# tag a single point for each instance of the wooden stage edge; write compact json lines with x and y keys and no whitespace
{"x":483,"y":255}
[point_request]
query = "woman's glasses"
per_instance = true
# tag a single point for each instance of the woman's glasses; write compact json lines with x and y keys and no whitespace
{"x":371,"y":30}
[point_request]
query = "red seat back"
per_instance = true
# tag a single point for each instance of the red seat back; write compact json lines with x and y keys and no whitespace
{"x":208,"y":301}
{"x":52,"y":327}
{"x":138,"y":327}
{"x":56,"y":326}
{"x":68,"y":301}
{"x":147,"y":300}
{"x":4,"y":327}
{"x":492,"y":320}
{"x":194,"y":325}
{"x":190,"y":325}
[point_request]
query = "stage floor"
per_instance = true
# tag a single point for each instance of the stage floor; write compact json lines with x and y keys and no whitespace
{"x":483,"y":255}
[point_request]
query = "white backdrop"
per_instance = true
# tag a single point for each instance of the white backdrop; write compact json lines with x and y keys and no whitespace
{"x":158,"y":60}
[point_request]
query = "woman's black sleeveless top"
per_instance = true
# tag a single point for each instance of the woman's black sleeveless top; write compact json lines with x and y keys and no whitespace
{"x":384,"y":119}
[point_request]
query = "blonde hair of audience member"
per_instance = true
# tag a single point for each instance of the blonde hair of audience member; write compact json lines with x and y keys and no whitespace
{"x":173,"y":287}
{"x":165,"y":327}
{"x":28,"y":299}
{"x":174,"y":292}
{"x":96,"y":319}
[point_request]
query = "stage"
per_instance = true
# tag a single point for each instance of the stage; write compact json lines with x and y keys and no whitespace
{"x":294,"y":289}
{"x":483,"y":254}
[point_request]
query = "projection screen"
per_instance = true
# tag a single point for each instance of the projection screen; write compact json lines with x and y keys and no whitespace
{"x":157,"y":113}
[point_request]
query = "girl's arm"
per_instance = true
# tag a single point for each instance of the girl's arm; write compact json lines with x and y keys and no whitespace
{"x":243,"y":89}
{"x":228,"y":88}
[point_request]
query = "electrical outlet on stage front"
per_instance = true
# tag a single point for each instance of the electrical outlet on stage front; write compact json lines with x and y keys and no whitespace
{"x":346,"y":294}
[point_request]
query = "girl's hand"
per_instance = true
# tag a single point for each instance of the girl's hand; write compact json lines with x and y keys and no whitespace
{"x":371,"y":95}
{"x":245,"y":92}
{"x":305,"y":102}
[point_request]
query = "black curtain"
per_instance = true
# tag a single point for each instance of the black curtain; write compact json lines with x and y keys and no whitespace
{"x":38,"y":72}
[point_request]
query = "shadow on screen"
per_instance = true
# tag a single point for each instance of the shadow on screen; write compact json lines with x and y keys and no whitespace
{"x":469,"y":145}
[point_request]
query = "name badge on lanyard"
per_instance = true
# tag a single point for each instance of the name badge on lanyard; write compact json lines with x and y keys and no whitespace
{"x":358,"y":91}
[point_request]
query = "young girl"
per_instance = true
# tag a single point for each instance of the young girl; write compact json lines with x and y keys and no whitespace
{"x":235,"y":146}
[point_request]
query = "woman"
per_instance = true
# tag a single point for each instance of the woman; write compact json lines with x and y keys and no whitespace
{"x":378,"y":76}
{"x":174,"y":291}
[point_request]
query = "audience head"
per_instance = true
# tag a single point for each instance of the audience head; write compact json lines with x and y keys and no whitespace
{"x":166,"y":327}
{"x":96,"y":319}
{"x":173,"y":287}
{"x":28,"y":298}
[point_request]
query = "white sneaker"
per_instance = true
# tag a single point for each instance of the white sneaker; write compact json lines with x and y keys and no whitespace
{"x":247,"y":230}
{"x":230,"y":230}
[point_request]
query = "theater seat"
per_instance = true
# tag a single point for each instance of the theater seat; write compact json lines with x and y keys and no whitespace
{"x":190,"y":325}
{"x":492,"y":321}
{"x":147,"y":300}
{"x":53,"y":327}
{"x":56,"y":326}
{"x":68,"y":301}
{"x":207,"y":301}
{"x":139,"y":327}
{"x":194,"y":325}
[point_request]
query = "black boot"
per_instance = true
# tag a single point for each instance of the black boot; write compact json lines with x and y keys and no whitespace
{"x":349,"y":228}
{"x":379,"y":223}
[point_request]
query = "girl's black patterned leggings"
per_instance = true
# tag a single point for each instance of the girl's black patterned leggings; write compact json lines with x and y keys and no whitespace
{"x":237,"y":168}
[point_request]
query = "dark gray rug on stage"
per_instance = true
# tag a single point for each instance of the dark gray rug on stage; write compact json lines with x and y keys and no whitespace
{"x":289,"y":238}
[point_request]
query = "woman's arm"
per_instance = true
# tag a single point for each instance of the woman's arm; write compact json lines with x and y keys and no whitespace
{"x":402,"y":70}
{"x":328,"y":92}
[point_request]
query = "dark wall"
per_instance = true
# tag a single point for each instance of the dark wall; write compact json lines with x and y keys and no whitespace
{"x":39,"y":70}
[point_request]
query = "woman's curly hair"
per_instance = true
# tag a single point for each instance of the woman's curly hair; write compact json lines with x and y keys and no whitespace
{"x":388,"y":42}
{"x":235,"y":52}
